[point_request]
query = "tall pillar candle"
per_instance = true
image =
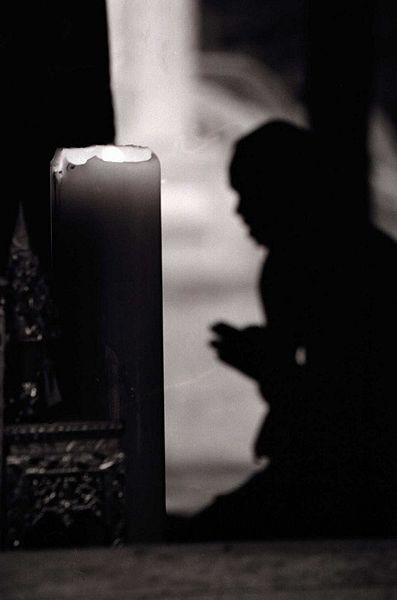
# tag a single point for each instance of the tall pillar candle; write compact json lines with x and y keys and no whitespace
{"x":106,"y":257}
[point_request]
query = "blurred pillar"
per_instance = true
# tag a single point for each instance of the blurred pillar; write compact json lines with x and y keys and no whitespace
{"x":153,"y":45}
{"x":339,"y":88}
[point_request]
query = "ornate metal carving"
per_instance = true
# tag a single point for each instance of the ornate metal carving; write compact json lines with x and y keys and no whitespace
{"x":62,"y":429}
{"x":64,"y":481}
{"x":31,"y":325}
{"x":64,"y":491}
{"x":31,"y":312}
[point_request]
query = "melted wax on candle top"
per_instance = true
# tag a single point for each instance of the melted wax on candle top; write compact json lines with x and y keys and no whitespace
{"x":109,"y":153}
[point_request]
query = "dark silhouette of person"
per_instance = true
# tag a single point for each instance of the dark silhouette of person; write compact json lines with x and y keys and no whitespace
{"x":275,"y":209}
{"x":330,"y":432}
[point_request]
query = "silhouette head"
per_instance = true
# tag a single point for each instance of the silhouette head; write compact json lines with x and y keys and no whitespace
{"x":272,"y":171}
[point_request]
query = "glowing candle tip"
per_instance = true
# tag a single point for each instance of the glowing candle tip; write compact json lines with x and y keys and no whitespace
{"x":117,"y":154}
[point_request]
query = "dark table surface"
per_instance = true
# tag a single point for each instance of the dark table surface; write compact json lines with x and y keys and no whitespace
{"x":304,"y":570}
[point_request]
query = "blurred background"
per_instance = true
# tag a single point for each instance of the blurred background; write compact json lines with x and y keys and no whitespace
{"x":189,"y":77}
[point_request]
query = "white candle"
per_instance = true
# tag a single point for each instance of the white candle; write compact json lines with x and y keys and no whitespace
{"x":106,"y":247}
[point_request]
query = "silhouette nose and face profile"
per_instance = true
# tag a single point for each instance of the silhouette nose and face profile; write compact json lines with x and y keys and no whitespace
{"x":270,"y":171}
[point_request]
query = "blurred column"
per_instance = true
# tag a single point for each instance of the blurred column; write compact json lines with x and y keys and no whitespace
{"x":339,"y":90}
{"x":152,"y":46}
{"x":339,"y":94}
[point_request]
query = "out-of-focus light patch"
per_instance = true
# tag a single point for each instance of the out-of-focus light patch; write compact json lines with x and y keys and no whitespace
{"x":300,"y":356}
{"x":109,"y":153}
